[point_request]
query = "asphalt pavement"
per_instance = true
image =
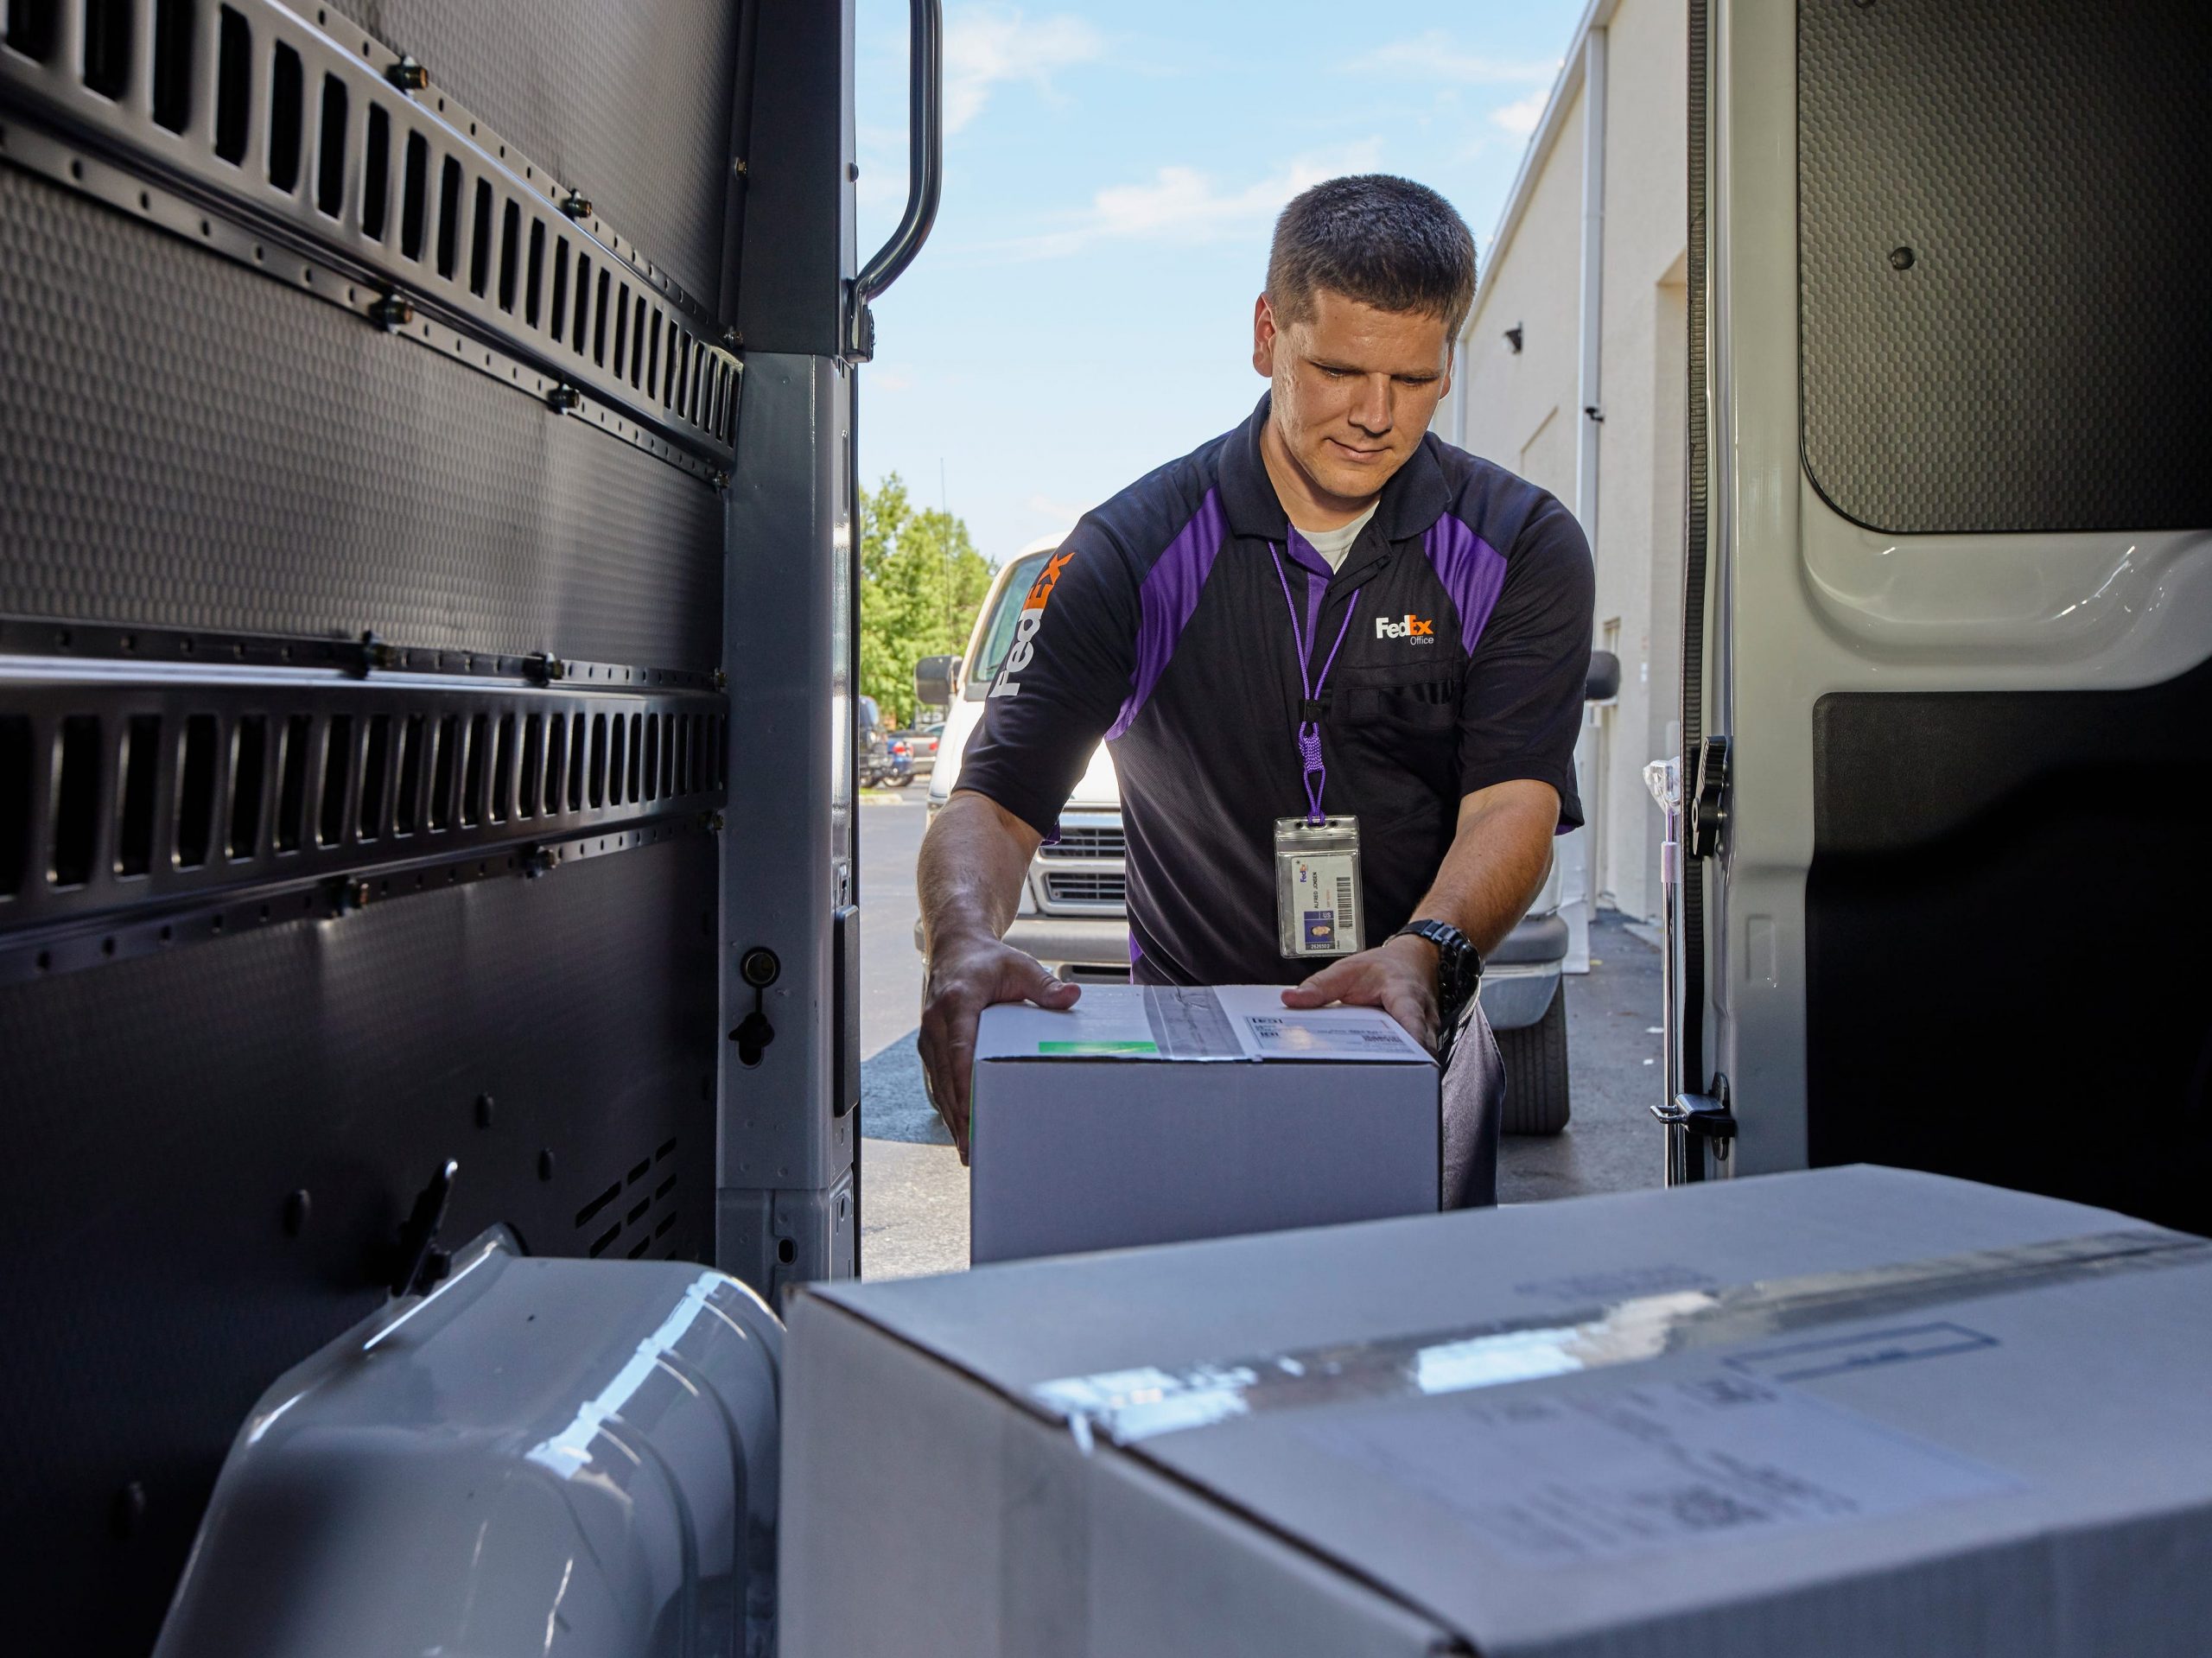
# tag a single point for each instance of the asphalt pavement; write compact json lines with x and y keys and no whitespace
{"x":914,"y":1193}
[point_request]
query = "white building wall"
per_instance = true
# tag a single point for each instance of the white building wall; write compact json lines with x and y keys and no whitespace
{"x":1519,"y":409}
{"x":1520,"y":405}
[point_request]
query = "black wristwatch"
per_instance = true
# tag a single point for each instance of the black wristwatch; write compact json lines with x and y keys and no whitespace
{"x":1458,"y":964}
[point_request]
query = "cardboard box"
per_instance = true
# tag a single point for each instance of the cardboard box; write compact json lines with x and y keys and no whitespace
{"x":1156,"y":1116}
{"x":1853,"y":1412}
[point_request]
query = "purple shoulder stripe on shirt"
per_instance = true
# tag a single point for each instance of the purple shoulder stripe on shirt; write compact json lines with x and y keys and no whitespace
{"x":1166,"y":600}
{"x":1472,"y":572}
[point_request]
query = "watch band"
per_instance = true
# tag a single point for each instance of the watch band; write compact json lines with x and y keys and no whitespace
{"x":1458,"y":964}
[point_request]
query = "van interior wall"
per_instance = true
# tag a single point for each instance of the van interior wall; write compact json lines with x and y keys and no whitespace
{"x":231,"y":1062}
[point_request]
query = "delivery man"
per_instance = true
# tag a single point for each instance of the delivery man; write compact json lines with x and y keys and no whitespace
{"x":1339,"y":665}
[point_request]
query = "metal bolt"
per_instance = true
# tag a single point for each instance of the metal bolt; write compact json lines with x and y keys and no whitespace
{"x":733,"y":338}
{"x":297,"y":1208}
{"x":486,"y":1106}
{"x":576,"y":205}
{"x":738,"y":167}
{"x":391,"y":313}
{"x":408,"y":75}
{"x":1900,"y":258}
{"x":354,"y":895}
{"x":715,"y":821}
{"x":721,"y":680}
{"x":563,"y":398}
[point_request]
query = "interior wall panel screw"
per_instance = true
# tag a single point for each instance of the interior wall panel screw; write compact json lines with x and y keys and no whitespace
{"x":1901,"y":258}
{"x":408,"y":75}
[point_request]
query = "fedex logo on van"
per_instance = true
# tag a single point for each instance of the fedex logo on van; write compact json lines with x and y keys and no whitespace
{"x":1406,"y":628}
{"x":1024,"y":649}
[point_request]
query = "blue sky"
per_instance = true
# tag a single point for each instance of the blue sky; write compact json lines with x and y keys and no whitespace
{"x":1083,"y":312}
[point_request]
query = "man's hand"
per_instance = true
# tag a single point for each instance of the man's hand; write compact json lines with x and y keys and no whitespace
{"x":965,"y":978}
{"x":1398,"y":976}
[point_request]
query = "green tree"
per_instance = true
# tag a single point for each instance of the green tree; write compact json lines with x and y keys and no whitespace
{"x":922,"y":582}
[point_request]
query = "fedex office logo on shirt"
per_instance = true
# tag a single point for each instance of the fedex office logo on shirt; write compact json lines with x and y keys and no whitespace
{"x":1024,"y":649}
{"x":1406,"y":628}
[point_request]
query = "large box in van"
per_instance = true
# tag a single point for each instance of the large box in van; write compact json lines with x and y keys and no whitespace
{"x":1849,"y":1412}
{"x":1159,"y":1114}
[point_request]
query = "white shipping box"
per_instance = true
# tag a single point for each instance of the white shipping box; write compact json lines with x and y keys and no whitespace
{"x":1148,"y":1114}
{"x":1853,"y":1412}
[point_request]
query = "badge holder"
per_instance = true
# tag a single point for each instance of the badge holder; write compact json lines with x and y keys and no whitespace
{"x":1318,"y":906}
{"x":1317,"y":903}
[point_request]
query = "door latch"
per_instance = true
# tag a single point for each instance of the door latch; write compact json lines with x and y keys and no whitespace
{"x":759,"y":968}
{"x":1708,"y":802}
{"x":1698,"y":1127}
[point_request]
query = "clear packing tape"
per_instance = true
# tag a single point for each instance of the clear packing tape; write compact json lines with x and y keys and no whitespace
{"x":1125,"y":1407}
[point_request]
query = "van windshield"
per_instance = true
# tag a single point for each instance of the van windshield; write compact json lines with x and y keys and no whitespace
{"x":998,"y":638}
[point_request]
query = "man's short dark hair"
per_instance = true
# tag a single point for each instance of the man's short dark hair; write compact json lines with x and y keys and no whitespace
{"x":1384,"y":241}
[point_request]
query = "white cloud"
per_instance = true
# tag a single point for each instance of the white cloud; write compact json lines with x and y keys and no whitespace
{"x":1433,"y":57}
{"x":1183,"y":204}
{"x":987,"y":46}
{"x":1520,"y":116}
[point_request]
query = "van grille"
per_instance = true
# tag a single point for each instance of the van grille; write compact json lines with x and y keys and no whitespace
{"x":1085,"y":887}
{"x":1087,"y":843}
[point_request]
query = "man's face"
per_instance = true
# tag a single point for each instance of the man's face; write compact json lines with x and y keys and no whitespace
{"x":1354,"y":388}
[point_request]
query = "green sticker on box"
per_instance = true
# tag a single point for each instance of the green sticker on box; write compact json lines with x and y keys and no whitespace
{"x":1098,"y":1047}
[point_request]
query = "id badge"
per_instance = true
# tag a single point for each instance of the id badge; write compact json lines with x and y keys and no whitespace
{"x":1317,"y":887}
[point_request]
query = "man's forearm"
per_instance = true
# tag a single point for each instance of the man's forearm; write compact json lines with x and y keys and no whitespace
{"x":972,"y":863}
{"x":1500,"y":854}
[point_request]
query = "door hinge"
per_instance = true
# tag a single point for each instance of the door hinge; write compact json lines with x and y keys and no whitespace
{"x":1708,"y":801}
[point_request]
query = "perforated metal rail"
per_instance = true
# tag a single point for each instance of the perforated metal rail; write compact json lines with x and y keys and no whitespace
{"x":293,"y":142}
{"x":138,"y":804}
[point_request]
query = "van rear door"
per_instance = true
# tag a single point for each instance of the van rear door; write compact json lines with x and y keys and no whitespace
{"x":1949,"y":595}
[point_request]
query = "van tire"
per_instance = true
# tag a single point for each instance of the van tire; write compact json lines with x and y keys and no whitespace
{"x":1536,"y":1071}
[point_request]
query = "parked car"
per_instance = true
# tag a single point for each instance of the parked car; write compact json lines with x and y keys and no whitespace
{"x":1073,"y":913}
{"x":885,"y":757}
{"x":922,"y":742}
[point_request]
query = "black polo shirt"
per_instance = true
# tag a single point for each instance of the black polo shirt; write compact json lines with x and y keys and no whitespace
{"x":1161,"y":625}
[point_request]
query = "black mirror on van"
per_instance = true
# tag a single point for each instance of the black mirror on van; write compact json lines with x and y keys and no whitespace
{"x":933,"y":678}
{"x":1604,"y":681}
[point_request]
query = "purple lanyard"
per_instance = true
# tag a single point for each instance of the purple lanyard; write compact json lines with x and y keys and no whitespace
{"x":1309,"y":727}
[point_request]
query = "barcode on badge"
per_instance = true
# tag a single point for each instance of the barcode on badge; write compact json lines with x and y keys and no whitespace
{"x":1344,"y":906}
